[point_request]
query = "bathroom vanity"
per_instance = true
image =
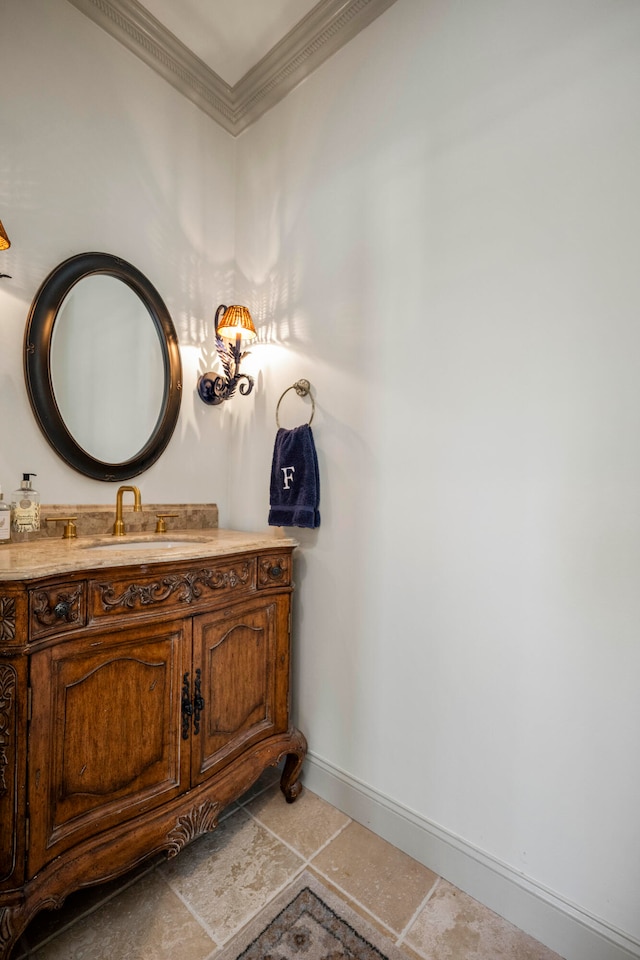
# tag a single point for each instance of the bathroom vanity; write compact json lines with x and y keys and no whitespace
{"x":144,"y":685}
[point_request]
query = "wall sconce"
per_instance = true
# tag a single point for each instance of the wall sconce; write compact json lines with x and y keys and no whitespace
{"x":234,"y":324}
{"x":5,"y":243}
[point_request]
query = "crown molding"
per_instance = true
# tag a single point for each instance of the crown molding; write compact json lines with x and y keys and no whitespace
{"x":323,"y":31}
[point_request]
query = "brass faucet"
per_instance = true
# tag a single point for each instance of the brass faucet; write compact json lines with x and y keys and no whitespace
{"x":118,"y":527}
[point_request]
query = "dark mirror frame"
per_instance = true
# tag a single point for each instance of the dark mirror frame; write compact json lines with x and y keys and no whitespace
{"x":37,"y":364}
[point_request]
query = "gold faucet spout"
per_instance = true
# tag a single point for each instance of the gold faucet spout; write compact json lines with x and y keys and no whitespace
{"x":118,"y":527}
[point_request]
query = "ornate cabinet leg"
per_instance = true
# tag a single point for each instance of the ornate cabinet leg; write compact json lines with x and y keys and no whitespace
{"x":289,"y":782}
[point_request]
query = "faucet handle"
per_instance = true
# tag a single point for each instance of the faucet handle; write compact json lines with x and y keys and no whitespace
{"x":69,"y":532}
{"x":161,"y":526}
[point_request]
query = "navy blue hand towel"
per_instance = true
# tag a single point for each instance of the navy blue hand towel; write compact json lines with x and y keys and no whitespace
{"x":295,"y":482}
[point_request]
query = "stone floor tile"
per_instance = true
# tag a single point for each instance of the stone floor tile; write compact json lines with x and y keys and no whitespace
{"x":386,"y":881}
{"x":231,"y":873}
{"x":306,"y":825}
{"x":147,"y":921}
{"x":48,"y":923}
{"x":357,"y":907}
{"x":453,"y":926}
{"x":184,"y":907}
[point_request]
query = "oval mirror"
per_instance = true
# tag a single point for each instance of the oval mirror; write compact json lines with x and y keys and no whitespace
{"x":102,"y":366}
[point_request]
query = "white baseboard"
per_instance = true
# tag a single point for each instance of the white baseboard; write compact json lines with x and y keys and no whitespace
{"x":562,"y":926}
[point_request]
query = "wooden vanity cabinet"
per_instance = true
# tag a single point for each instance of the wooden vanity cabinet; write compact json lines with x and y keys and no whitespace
{"x":244,"y":679}
{"x":135,"y":704}
{"x":104,"y":736}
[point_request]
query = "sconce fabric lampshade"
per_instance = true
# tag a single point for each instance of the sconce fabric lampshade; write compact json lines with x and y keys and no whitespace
{"x":5,"y":243}
{"x":236,"y":320}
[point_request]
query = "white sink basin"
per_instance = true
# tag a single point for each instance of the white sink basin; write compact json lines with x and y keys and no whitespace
{"x":118,"y":544}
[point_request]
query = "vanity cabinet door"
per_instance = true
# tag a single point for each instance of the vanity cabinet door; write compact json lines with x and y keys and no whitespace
{"x":104,"y":738}
{"x":242,"y":656}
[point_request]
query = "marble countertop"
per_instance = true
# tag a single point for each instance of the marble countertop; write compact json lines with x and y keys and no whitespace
{"x":47,"y":557}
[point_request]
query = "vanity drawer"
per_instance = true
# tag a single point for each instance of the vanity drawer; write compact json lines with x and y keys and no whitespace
{"x":57,"y":608}
{"x":274,"y":570}
{"x":171,"y":587}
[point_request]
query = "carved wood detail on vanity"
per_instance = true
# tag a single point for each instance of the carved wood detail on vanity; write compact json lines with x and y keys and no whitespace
{"x":182,"y":588}
{"x":8,"y":678}
{"x":199,"y":820}
{"x":274,"y":569}
{"x":8,"y":728}
{"x":7,"y":618}
{"x":7,"y":935}
{"x":56,"y":606}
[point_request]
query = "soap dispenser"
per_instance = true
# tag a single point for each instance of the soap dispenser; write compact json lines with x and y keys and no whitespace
{"x":25,"y":510}
{"x":5,"y":521}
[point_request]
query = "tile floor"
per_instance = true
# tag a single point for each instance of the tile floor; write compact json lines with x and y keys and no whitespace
{"x":191,"y":906}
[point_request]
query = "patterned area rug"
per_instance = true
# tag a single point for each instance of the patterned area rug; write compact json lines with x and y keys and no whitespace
{"x":308,"y":922}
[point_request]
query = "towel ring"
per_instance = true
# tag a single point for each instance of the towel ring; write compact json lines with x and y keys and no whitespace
{"x":303,"y":389}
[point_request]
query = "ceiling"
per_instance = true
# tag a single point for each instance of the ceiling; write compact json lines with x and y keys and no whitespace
{"x":233,"y":58}
{"x":230,"y":36}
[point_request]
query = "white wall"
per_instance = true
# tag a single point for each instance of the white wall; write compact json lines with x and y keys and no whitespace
{"x":443,"y":222}
{"x":98,"y":153}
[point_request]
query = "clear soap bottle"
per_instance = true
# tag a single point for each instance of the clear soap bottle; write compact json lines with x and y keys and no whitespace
{"x":25,"y":510}
{"x":5,"y":521}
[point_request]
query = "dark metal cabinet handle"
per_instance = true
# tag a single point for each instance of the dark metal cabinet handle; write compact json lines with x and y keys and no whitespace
{"x":190,"y":709}
{"x":62,"y":610}
{"x":198,"y":703}
{"x":187,"y":708}
{"x":275,"y":572}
